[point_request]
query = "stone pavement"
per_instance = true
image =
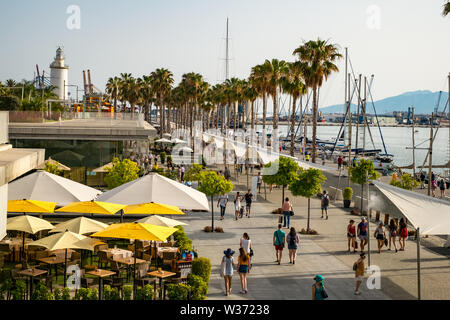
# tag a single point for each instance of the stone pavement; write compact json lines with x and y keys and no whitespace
{"x":325,"y":254}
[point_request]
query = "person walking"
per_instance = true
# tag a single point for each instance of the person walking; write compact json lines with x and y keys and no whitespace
{"x":242,"y":267}
{"x":403,"y":234}
{"x":227,"y":173}
{"x":422,"y":180}
{"x":433,"y":187}
{"x":339,"y":162}
{"x":222,"y":203}
{"x":182,"y":173}
{"x":246,"y":243}
{"x":248,"y":202}
{"x":380,"y":235}
{"x":324,"y":202}
{"x":227,"y":269}
{"x":318,"y":289}
{"x":278,"y":242}
{"x":286,"y":208}
{"x":392,"y":228}
{"x":351,"y":235}
{"x":259,"y":182}
{"x":292,"y":240}
{"x":359,"y":268}
{"x":442,"y":188}
{"x":362,"y":232}
{"x":237,"y":205}
{"x":324,"y":157}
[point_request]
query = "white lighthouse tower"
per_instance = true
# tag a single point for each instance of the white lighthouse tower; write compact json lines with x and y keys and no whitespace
{"x":59,"y":75}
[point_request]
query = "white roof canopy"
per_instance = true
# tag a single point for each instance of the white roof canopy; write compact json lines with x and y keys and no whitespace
{"x":429,"y":214}
{"x":45,"y":186}
{"x":156,"y":188}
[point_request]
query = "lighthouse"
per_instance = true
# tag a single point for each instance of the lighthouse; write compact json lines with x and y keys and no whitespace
{"x":59,"y":75}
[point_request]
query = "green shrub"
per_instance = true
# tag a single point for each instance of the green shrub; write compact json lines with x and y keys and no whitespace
{"x":86,"y":294}
{"x":162,"y":156}
{"x":57,"y":294}
{"x":202,"y":267}
{"x":93,"y":294}
{"x":41,"y":292}
{"x":127,"y":291}
{"x":178,"y":291}
{"x":111,"y":293}
{"x":183,"y":242}
{"x":18,"y":293}
{"x":348,"y":193}
{"x":144,"y":293}
{"x":66,"y":294}
{"x":7,"y":286}
{"x":199,"y":288}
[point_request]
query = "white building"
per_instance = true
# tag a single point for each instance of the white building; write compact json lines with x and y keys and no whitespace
{"x":59,"y":75}
{"x":13,"y":163}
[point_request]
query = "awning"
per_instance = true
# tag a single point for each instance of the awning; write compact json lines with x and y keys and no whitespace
{"x":429,"y":214}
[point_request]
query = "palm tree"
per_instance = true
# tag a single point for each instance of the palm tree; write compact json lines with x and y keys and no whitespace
{"x":294,"y":85}
{"x":195,"y":87}
{"x":147,"y":95}
{"x":446,"y":9}
{"x":123,"y":89}
{"x":251,"y":94}
{"x":257,"y":78}
{"x":133,"y":93}
{"x":274,"y":71}
{"x":112,"y":88}
{"x":162,"y":81}
{"x":318,"y":58}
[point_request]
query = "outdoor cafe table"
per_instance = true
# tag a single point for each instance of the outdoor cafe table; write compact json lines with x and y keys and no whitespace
{"x":161,"y":275}
{"x":15,"y":245}
{"x":117,"y":253}
{"x":129,"y":262}
{"x":161,"y":250}
{"x":100,"y":273}
{"x":52,"y":261}
{"x":31,"y":273}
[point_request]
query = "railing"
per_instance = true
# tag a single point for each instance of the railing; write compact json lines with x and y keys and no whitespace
{"x":42,"y":117}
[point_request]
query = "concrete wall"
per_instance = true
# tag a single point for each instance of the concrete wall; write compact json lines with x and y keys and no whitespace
{"x":3,"y":209}
{"x":4,"y":116}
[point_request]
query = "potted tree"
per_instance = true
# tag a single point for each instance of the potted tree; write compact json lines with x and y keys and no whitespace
{"x":348,"y":194}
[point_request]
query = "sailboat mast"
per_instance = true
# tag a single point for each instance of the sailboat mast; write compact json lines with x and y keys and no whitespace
{"x":363,"y":111}
{"x":345,"y":92}
{"x":413,"y":143}
{"x":349,"y":130}
{"x":357,"y":113}
{"x":226,"y":56}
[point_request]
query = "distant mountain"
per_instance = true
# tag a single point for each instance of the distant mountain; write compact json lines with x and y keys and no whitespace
{"x":424,"y":102}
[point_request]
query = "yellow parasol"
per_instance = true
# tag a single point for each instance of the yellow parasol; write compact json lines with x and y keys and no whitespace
{"x":92,"y":207}
{"x":31,"y":206}
{"x":152,"y":208}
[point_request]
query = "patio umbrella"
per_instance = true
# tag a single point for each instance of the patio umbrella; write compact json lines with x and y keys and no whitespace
{"x":176,"y":140}
{"x":136,"y":231}
{"x":80,"y":225}
{"x":161,"y":221}
{"x":152,"y":208}
{"x":44,"y":186}
{"x":166,"y":135}
{"x":104,"y":168}
{"x":63,"y":241}
{"x":163,"y":140}
{"x":59,"y":165}
{"x":29,"y":224}
{"x":185,"y":149}
{"x":92,"y":207}
{"x":157,"y":188}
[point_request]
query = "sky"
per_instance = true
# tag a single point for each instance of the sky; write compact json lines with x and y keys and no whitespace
{"x":405,"y":44}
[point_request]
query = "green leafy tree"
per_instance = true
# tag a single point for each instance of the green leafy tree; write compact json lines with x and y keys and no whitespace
{"x":212,"y":185}
{"x":405,"y":182}
{"x":121,"y":172}
{"x":194,"y":173}
{"x":308,"y":183}
{"x":286,"y":170}
{"x":202,"y":267}
{"x":362,"y":173}
{"x":9,"y":103}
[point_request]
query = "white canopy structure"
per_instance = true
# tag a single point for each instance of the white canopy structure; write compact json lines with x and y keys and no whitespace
{"x":163,"y":140}
{"x":429,"y":214}
{"x":44,"y":186}
{"x":156,"y":188}
{"x":176,"y":140}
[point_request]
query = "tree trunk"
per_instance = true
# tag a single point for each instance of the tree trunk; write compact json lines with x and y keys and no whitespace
{"x":309,"y":210}
{"x":253,"y":115}
{"x":294,"y":98}
{"x":212,"y":214}
{"x":314,"y":125}
{"x":282,"y":196}
{"x":264,"y":111}
{"x":275,"y":113}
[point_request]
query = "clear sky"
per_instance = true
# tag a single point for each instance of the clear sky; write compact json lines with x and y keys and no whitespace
{"x":404,"y":43}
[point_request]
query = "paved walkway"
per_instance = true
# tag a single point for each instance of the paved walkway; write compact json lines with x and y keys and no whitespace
{"x":325,"y":253}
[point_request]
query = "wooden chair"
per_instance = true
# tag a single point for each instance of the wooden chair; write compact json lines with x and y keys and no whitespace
{"x":103,"y":258}
{"x":6,"y":251}
{"x":75,"y":257}
{"x":117,"y":268}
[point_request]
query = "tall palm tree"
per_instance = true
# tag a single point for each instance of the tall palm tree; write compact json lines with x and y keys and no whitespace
{"x":274,"y":71}
{"x":112,"y":88}
{"x":446,"y":9}
{"x":133,"y":93}
{"x":147,"y":95}
{"x":195,"y":87}
{"x":251,"y":94}
{"x":123,"y":89}
{"x":294,"y":85}
{"x":258,"y":80}
{"x":162,"y":81}
{"x":318,"y":58}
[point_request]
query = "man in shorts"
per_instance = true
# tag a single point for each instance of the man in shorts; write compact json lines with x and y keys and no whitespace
{"x":259,"y":182}
{"x":278,"y":241}
{"x":359,"y":268}
{"x":362,"y":233}
{"x":248,"y":202}
{"x":325,"y":201}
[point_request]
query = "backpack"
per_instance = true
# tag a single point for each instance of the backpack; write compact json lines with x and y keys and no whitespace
{"x":355,"y":266}
{"x":326,"y":200}
{"x":291,"y":240}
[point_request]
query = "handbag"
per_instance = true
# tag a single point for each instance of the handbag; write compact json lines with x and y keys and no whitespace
{"x":222,"y":268}
{"x":324,"y":293}
{"x":386,"y":242}
{"x":291,"y":213}
{"x":251,"y":252}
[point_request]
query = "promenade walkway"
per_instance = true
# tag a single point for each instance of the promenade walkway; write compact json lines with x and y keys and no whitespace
{"x":324,"y":254}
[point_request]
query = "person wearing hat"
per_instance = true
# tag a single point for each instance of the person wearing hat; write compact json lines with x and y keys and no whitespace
{"x":359,"y":268}
{"x":318,"y":290}
{"x":362,"y":232}
{"x":380,"y":235}
{"x":227,"y":269}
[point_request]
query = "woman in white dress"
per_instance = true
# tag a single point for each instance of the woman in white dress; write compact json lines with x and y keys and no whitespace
{"x":246,"y":244}
{"x":237,"y":205}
